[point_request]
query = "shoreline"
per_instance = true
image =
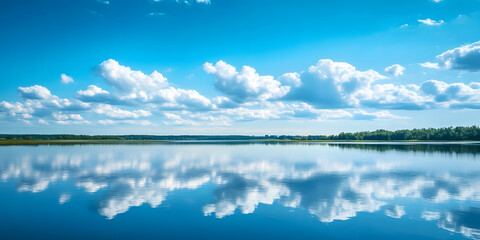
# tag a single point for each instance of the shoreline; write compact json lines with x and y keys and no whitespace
{"x":36,"y":142}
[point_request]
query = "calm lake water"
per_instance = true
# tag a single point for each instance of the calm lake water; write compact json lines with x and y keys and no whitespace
{"x":240,"y":191}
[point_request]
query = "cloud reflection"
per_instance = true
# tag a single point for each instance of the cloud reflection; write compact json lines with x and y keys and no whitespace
{"x":322,"y":180}
{"x":464,"y":221}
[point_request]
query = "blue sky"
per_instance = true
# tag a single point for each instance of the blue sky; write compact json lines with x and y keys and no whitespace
{"x":237,"y":67}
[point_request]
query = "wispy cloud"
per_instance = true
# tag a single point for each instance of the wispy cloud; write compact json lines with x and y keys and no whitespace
{"x":104,"y":1}
{"x":431,"y":22}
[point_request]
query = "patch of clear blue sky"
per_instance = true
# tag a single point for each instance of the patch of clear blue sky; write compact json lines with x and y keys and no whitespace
{"x":42,"y":39}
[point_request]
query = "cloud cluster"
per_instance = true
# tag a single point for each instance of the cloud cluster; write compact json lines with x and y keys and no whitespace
{"x":465,"y":58}
{"x":323,"y":91}
{"x":40,"y":106}
{"x":133,"y":96}
{"x":331,"y":85}
{"x":338,"y":85}
{"x":135,"y":88}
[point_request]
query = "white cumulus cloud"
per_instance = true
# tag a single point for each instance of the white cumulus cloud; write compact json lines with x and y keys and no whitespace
{"x":395,"y":70}
{"x":65,"y":79}
{"x":246,"y":85}
{"x":466,"y":58}
{"x":34,"y":92}
{"x":330,"y":84}
{"x":125,"y":79}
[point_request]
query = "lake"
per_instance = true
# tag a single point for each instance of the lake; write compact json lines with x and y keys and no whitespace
{"x":239,"y":190}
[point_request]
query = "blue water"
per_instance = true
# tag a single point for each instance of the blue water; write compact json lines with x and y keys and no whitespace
{"x":240,"y":191}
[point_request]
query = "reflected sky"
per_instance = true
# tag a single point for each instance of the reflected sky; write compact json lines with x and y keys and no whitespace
{"x":334,"y":183}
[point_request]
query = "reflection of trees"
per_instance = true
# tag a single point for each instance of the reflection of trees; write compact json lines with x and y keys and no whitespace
{"x":473,"y":149}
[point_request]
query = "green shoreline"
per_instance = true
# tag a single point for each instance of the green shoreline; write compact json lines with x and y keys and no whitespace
{"x":428,"y":135}
{"x":21,"y":142}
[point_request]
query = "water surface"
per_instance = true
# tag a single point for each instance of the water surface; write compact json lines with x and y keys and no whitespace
{"x":241,"y":191}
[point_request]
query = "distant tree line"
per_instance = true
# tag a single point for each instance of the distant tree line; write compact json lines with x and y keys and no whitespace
{"x":423,"y":134}
{"x":125,"y":137}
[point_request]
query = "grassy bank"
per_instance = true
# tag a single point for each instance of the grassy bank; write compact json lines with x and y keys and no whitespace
{"x":12,"y":142}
